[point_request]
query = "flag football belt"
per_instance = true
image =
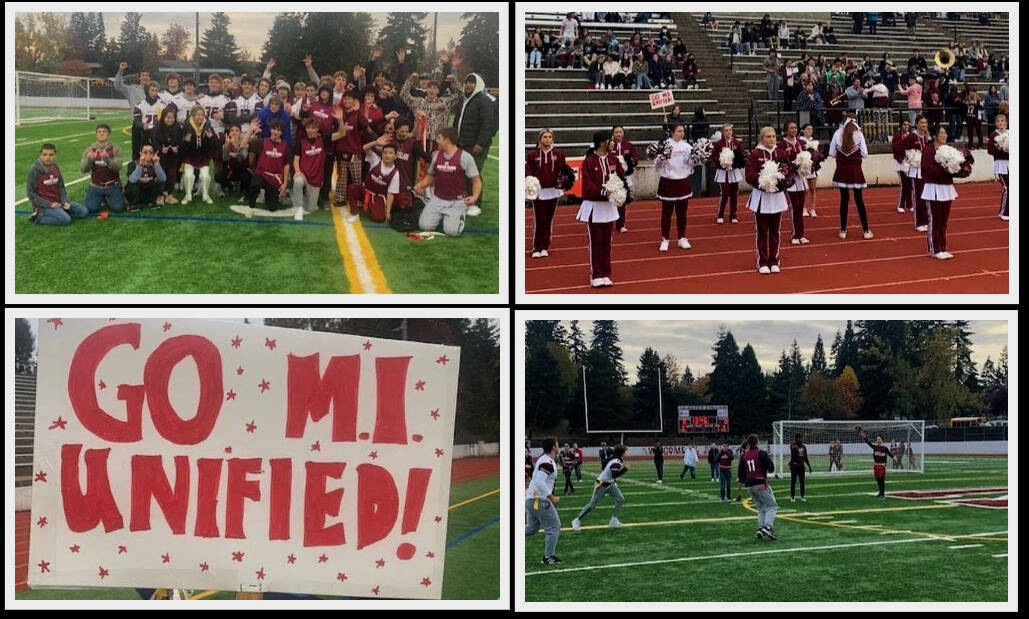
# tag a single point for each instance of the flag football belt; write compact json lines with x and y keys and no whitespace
{"x":536,"y":504}
{"x":368,"y":198}
{"x":599,"y":484}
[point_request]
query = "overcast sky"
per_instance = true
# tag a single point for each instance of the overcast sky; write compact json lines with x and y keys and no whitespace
{"x":690,"y":341}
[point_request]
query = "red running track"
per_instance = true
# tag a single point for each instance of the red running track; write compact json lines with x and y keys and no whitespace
{"x":723,"y":257}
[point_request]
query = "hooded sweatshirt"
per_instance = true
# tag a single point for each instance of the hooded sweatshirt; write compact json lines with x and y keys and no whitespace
{"x":104,"y":170}
{"x":45,"y":185}
{"x":476,"y":122}
{"x":134,"y":93}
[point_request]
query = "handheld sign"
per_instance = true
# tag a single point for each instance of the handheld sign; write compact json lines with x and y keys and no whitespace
{"x":662,"y":98}
{"x":209,"y":455}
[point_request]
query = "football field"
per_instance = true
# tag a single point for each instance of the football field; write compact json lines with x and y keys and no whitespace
{"x":209,"y":249}
{"x":938,"y":536}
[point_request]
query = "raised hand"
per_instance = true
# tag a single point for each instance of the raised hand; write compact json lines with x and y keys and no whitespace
{"x":270,"y":65}
{"x":308,"y":61}
{"x":123,"y":65}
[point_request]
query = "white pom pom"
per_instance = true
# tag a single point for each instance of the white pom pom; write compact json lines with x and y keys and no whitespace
{"x":803,"y":163}
{"x":1002,"y":141}
{"x":811,"y":145}
{"x":913,"y":158}
{"x":725,"y":158}
{"x":615,"y":190}
{"x":950,"y":158}
{"x":532,"y":187}
{"x":768,"y":179}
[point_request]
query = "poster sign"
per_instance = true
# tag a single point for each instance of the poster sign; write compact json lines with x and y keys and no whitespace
{"x":200,"y":454}
{"x":662,"y":98}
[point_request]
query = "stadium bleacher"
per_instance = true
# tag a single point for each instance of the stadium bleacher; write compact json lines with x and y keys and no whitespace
{"x":24,"y":424}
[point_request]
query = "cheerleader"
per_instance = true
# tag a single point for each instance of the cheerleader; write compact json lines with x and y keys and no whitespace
{"x":913,"y":144}
{"x":596,"y":211}
{"x":674,"y":188}
{"x":900,"y":166}
{"x":768,"y":207}
{"x":544,"y":162}
{"x":938,"y":193}
{"x":728,"y":178}
{"x":788,"y":148}
{"x":629,"y":160}
{"x":808,"y":134}
{"x":1000,"y":161}
{"x":849,"y":148}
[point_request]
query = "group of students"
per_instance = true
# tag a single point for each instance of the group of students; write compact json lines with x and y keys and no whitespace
{"x":392,"y":152}
{"x":926,"y":189}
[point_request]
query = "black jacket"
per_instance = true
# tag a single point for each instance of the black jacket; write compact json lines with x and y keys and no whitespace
{"x":476,"y":118}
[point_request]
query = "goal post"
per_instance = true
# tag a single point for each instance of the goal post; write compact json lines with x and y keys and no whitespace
{"x":42,"y":97}
{"x":852,"y":455}
{"x":622,"y":431}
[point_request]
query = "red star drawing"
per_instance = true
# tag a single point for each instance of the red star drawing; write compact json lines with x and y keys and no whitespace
{"x":367,"y":345}
{"x":122,"y":550}
{"x":44,"y":566}
{"x":74,"y":548}
{"x":442,"y":360}
{"x":340,"y":576}
{"x":166,"y":558}
{"x":426,"y":582}
{"x":102,"y":384}
{"x":419,"y":386}
{"x":323,"y":558}
{"x":430,"y":554}
{"x":251,"y":426}
{"x":373,"y":455}
{"x":103,"y":573}
{"x":167,"y":325}
{"x":236,"y":341}
{"x":203,"y":566}
{"x":231,"y":395}
{"x":434,"y":413}
{"x":239,"y":371}
{"x":315,"y":446}
{"x":264,"y":385}
{"x":56,"y":322}
{"x":438,"y":518}
{"x":228,"y":449}
{"x":291,"y":558}
{"x":376,"y":590}
{"x":40,"y":476}
{"x":41,"y":522}
{"x":58,"y":423}
{"x":260,"y":574}
{"x":238,"y":556}
{"x":380,"y":563}
{"x":269,"y":343}
{"x":439,"y":452}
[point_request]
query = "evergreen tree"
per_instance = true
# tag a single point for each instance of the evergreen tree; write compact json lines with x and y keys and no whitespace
{"x":725,"y":368}
{"x":834,"y":351}
{"x":645,"y":392}
{"x":749,"y":407}
{"x":336,"y":41}
{"x":605,"y":342}
{"x":133,"y":44}
{"x":607,"y":393}
{"x":818,"y":363}
{"x":174,"y":42}
{"x":285,"y":44}
{"x":24,"y":342}
{"x":480,"y":40}
{"x":79,"y":37}
{"x":217,"y":48}
{"x":405,"y":31}
{"x":848,"y":350}
{"x":576,"y":344}
{"x":687,"y":378}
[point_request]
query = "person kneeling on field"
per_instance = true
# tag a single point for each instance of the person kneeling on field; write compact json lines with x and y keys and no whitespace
{"x":45,"y":190}
{"x":309,"y":162}
{"x":234,"y":177}
{"x":270,"y":157}
{"x":103,"y":162}
{"x":377,"y":195}
{"x":146,"y":179}
{"x":449,"y":168}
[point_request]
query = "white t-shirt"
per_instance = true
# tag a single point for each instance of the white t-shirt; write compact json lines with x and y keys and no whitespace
{"x":544,"y":474}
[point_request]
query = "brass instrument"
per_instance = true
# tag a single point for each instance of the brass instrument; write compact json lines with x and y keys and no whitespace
{"x":835,"y":100}
{"x":944,"y":59}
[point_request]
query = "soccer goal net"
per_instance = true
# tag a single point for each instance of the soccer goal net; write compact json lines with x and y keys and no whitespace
{"x":40,"y":97}
{"x":837,"y":447}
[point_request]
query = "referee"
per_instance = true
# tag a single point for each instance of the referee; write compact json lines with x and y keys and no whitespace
{"x":798,"y":458}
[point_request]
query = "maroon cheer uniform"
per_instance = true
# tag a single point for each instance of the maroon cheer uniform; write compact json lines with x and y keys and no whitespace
{"x":628,"y":153}
{"x":768,"y":208}
{"x":787,"y":151}
{"x":1000,"y":168}
{"x":597,"y":211}
{"x":938,"y":193}
{"x":728,"y":180}
{"x":915,"y":141}
{"x":906,"y":186}
{"x":545,"y":166}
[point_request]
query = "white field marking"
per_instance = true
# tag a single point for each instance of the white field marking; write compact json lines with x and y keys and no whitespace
{"x":63,"y":137}
{"x":77,"y":180}
{"x":820,"y":518}
{"x":730,"y":555}
{"x":999,"y":556}
{"x":355,"y":249}
{"x":894,"y":532}
{"x":964,"y":546}
{"x":629,"y":504}
{"x":844,"y":521}
{"x":492,"y":157}
{"x":865,"y":526}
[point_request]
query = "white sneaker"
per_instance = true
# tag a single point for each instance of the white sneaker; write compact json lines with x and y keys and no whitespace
{"x":940,"y":255}
{"x":868,"y":234}
{"x":813,"y":213}
{"x":473,"y":211}
{"x":803,"y":499}
{"x":900,"y":209}
{"x":804,"y":241}
{"x":795,"y":241}
{"x":664,"y":245}
{"x":614,"y":523}
{"x":298,"y":214}
{"x":719,"y":221}
{"x":597,"y":282}
{"x":608,"y":282}
{"x":807,"y":213}
{"x":623,"y":229}
{"x":576,"y":525}
{"x":660,"y":482}
{"x":793,"y":500}
{"x":734,"y":221}
{"x":683,"y":243}
{"x":947,"y":255}
{"x":544,"y":253}
{"x":187,"y":199}
{"x":208,"y":200}
{"x":1004,"y":217}
{"x":351,"y":217}
{"x":843,"y":234}
{"x":537,"y":254}
{"x":922,"y":228}
{"x":775,"y":268}
{"x":764,"y":270}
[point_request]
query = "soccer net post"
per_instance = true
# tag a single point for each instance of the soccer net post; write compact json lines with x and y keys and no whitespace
{"x":41,"y":97}
{"x":836,"y":447}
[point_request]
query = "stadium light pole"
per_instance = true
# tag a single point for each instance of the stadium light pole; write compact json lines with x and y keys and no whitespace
{"x":196,"y":49}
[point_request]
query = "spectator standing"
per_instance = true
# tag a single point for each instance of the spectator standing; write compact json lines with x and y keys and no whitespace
{"x":689,"y":462}
{"x":772,"y":67}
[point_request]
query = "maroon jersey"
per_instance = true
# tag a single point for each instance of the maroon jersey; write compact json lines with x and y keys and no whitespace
{"x":357,"y":129}
{"x":271,"y":160}
{"x":102,"y":174}
{"x":323,"y":114}
{"x":626,"y":150}
{"x":147,"y":175}
{"x":993,"y":149}
{"x":798,"y":456}
{"x":725,"y":459}
{"x":378,"y":181}
{"x":755,"y":160}
{"x":48,"y":184}
{"x":789,"y":152}
{"x":899,"y":139}
{"x":449,"y":181}
{"x":312,"y":155}
{"x":755,"y":466}
{"x":595,"y":171}
{"x":932,"y":171}
{"x":880,"y":453}
{"x":408,"y":152}
{"x":545,"y":165}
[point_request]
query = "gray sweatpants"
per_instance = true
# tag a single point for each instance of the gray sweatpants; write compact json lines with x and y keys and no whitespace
{"x":764,"y":500}
{"x":308,"y":202}
{"x":450,"y":212}
{"x":598,"y":493}
{"x":539,"y":513}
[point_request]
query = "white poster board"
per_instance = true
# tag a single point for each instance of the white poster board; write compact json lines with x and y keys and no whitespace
{"x":662,"y":98}
{"x":211,"y":455}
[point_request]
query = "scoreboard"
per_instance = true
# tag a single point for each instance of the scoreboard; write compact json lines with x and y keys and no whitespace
{"x":700,"y":419}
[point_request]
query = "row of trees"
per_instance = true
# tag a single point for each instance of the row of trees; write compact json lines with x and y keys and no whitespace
{"x":52,"y":43}
{"x":874,"y":370}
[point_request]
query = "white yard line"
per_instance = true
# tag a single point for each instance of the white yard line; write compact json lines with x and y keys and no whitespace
{"x":964,"y":546}
{"x":999,"y":556}
{"x":820,"y":518}
{"x":54,"y":139}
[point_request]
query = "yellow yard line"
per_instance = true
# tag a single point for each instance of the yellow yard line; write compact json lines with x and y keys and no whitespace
{"x":344,"y":251}
{"x":474,"y":499}
{"x":371,"y":262}
{"x":203,"y":594}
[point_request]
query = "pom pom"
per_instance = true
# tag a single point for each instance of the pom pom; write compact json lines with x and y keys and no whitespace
{"x":566,"y":177}
{"x":726,"y":158}
{"x":950,"y":158}
{"x":966,"y":165}
{"x":913,"y":158}
{"x":701,"y":151}
{"x":1002,"y":141}
{"x":532,"y":188}
{"x":768,"y":179}
{"x":803,"y":163}
{"x":739,"y":160}
{"x":615,"y":187}
{"x":811,"y":145}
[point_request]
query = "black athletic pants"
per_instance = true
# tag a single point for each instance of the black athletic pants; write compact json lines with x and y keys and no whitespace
{"x":796,"y":473}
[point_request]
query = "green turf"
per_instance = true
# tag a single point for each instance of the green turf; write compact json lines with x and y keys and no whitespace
{"x":141,"y":253}
{"x":471,"y":572}
{"x":918,"y":571}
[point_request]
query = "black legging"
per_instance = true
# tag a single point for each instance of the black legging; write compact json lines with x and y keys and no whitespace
{"x":660,"y":466}
{"x":881,"y":482}
{"x":795,"y":474}
{"x":568,"y":480}
{"x":844,"y":203}
{"x":679,"y":206}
